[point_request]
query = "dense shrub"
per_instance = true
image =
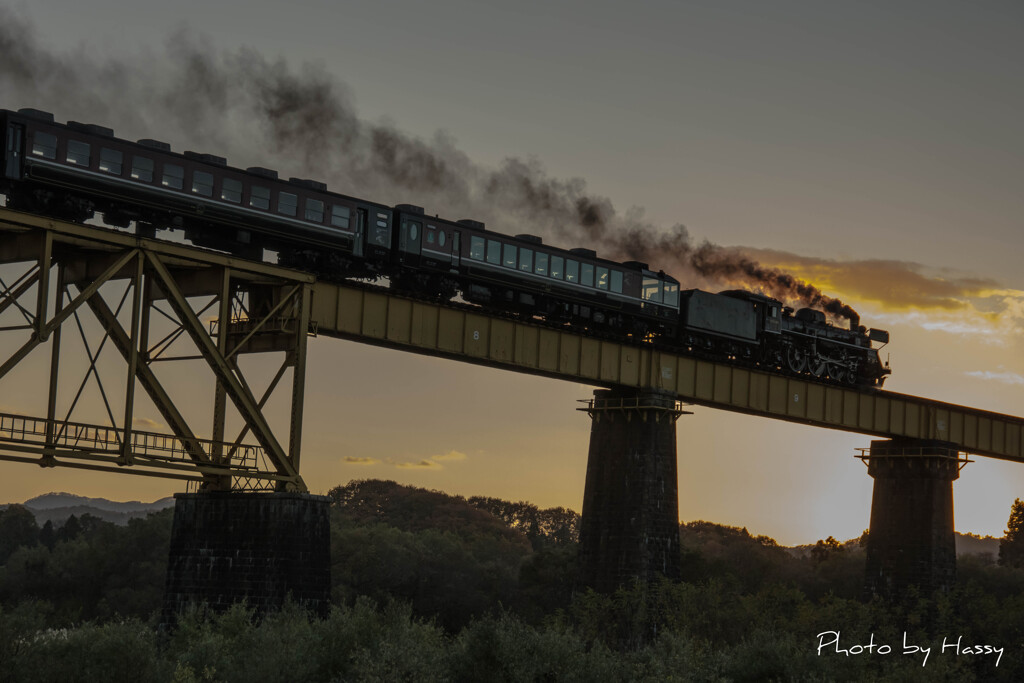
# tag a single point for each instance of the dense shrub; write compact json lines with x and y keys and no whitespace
{"x":434,"y":587}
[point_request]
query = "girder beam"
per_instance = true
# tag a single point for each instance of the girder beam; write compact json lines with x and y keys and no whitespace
{"x":469,"y":334}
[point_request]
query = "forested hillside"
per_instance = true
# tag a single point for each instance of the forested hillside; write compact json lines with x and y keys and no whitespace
{"x":429,"y":586}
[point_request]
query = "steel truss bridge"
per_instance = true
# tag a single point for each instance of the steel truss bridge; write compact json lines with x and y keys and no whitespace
{"x":164,"y":289}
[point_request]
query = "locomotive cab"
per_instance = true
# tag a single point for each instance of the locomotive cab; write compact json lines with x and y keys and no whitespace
{"x":660,"y":292}
{"x":773,"y":317}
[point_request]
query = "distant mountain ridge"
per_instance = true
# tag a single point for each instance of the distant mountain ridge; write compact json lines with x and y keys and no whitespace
{"x":49,"y":501}
{"x":966,"y":544}
{"x":58,"y":507}
{"x":972,"y":544}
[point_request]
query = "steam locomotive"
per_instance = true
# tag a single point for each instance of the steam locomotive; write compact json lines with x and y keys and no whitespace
{"x":74,"y":171}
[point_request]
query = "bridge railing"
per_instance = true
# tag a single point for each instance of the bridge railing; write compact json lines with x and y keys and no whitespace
{"x":633,"y":403}
{"x":58,"y":437}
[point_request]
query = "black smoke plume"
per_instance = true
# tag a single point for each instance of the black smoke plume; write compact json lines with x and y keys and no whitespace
{"x":258,"y":112}
{"x":712,"y":261}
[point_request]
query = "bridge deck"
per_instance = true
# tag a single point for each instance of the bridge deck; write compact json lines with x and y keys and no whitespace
{"x":460,"y":333}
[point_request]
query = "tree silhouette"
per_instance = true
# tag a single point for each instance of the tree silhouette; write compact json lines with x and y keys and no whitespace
{"x":1011,"y":547}
{"x":823,"y":549}
{"x":17,"y":528}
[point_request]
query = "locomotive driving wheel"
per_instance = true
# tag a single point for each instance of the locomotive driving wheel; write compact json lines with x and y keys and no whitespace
{"x":836,"y":372}
{"x":836,"y":367}
{"x":816,"y":365}
{"x":796,"y":359}
{"x":853,"y":373}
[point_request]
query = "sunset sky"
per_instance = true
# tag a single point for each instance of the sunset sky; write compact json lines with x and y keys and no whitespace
{"x":873,"y":148}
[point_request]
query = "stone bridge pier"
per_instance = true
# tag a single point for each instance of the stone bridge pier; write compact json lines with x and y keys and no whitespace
{"x":630,"y":523}
{"x":911,"y":539}
{"x":260,"y":548}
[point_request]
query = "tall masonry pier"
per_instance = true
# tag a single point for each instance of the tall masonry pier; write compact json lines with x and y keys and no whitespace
{"x":262,"y":548}
{"x":630,"y":525}
{"x":911,"y":539}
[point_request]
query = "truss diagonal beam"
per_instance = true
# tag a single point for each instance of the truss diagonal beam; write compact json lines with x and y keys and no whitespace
{"x":17,"y":288}
{"x":243,"y":399}
{"x":43,"y":331}
{"x":263,"y":401}
{"x":148,"y":380}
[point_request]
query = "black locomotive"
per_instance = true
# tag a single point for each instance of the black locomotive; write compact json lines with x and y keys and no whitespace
{"x":76,"y":170}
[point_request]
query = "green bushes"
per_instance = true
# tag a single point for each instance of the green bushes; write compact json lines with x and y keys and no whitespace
{"x":113,"y":651}
{"x":359,"y":643}
{"x":429,"y":587}
{"x":93,"y":570}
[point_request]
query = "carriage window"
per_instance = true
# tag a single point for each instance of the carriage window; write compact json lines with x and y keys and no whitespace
{"x":202,"y":183}
{"x":339,"y":216}
{"x":556,"y":267}
{"x":142,"y":169}
{"x":315,"y":210}
{"x":540,"y":263}
{"x":111,"y":161}
{"x":510,"y":256}
{"x":671,"y":294}
{"x":287,"y":203}
{"x":44,"y":145}
{"x":231,"y":190}
{"x":441,"y":238}
{"x":652,"y":290}
{"x":174,"y":176}
{"x":476,"y":248}
{"x":602,"y":278}
{"x":431,"y":234}
{"x":493,"y":251}
{"x":617,"y":282}
{"x":381,"y":235}
{"x":572,"y":270}
{"x":587,"y":274}
{"x":259,"y":197}
{"x":78,"y":153}
{"x":525,"y":259}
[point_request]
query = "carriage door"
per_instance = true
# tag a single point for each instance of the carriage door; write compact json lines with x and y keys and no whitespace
{"x":360,"y":236}
{"x":12,"y":162}
{"x":456,"y":247}
{"x":409,"y":237}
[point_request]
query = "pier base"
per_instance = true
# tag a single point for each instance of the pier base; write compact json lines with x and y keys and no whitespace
{"x":629,"y":529}
{"x":911,"y":540}
{"x":260,"y":548}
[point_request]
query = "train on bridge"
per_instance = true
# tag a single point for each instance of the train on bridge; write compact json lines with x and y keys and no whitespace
{"x":75,"y":171}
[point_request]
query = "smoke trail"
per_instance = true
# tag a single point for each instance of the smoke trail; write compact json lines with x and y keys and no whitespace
{"x":713,"y":261}
{"x":252,"y":109}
